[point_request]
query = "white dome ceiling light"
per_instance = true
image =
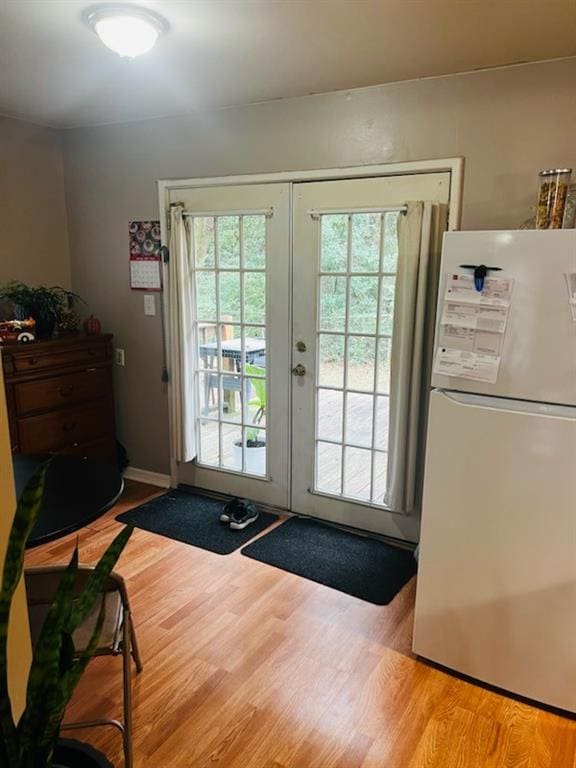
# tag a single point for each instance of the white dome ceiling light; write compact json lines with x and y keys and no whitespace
{"x":128,"y":30}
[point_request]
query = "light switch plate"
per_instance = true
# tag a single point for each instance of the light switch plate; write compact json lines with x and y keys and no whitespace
{"x":119,"y":356}
{"x":149,"y":304}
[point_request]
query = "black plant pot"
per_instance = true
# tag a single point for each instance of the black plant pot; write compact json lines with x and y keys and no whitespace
{"x":44,"y":326}
{"x":70,"y":753}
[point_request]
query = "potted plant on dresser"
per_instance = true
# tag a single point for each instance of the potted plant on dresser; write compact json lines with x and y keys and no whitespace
{"x":46,"y":305}
{"x":57,"y":666}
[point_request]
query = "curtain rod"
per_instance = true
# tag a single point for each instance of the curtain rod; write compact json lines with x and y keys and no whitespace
{"x":317,"y":212}
{"x":247,"y":212}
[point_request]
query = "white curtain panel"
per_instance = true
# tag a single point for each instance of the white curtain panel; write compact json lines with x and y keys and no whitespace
{"x":419,"y":237}
{"x":181,"y":339}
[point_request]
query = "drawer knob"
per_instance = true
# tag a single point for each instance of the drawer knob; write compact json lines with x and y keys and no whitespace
{"x":69,"y":426}
{"x":66,"y":391}
{"x":32,"y":361}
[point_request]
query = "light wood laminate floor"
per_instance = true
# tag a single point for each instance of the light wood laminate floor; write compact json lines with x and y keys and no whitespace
{"x":246,"y":666}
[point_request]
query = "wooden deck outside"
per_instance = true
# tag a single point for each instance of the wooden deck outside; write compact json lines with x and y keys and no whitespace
{"x":358,"y":460}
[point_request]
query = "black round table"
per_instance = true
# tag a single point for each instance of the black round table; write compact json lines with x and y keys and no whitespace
{"x":77,"y":492}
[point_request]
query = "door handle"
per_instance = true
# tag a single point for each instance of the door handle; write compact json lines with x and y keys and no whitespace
{"x":299,"y":370}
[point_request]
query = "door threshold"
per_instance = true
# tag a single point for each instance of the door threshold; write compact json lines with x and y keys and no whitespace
{"x":282,"y":511}
{"x":273,"y":509}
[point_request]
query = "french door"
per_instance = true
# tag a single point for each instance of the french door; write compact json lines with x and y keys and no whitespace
{"x":294,"y":413}
{"x":345,"y":259}
{"x":239,"y":240}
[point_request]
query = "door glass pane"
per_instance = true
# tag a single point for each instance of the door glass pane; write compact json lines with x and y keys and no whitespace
{"x":209,"y":443}
{"x":384,"y":362}
{"x":254,"y":451}
{"x":391,"y":242}
{"x":358,"y":305}
{"x":206,"y":296}
{"x":256,"y":402}
{"x":366,"y":242}
{"x":334,"y":251}
{"x":231,"y":339}
{"x":255,"y":350}
{"x":254,"y":239}
{"x":359,"y":415}
{"x":332,"y":303}
{"x":387,"y":304}
{"x":381,"y":423}
{"x":230,"y":346}
{"x":363,"y":307}
{"x":361,"y":359}
{"x":328,"y":468}
{"x":231,"y":447}
{"x":254,"y":297}
{"x":380,"y":472}
{"x":330,"y":409}
{"x":229,"y":295}
{"x":231,"y":398}
{"x":228,"y":242}
{"x":331,"y":360}
{"x":209,"y":394}
{"x":203,"y":241}
{"x":357,"y":473}
{"x":207,"y":346}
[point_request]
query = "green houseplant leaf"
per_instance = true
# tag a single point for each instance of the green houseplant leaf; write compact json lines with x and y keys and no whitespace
{"x":56,"y":665}
{"x":27,"y":512}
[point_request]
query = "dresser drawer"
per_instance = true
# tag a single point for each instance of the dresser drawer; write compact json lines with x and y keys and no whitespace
{"x":62,"y":429}
{"x":61,"y":391}
{"x":39,"y":361}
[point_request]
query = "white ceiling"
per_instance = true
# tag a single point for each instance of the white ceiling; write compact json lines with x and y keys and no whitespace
{"x":53,"y":70}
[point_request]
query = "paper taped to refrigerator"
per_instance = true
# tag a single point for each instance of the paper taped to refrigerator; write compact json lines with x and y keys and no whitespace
{"x":497,"y":291}
{"x":475,"y":316}
{"x":473,"y":322}
{"x":470,"y":339}
{"x":467,"y":365}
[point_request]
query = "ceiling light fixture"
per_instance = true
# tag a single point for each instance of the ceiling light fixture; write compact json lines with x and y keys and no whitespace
{"x":128,"y":30}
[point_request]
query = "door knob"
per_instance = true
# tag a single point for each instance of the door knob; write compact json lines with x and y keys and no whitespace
{"x":299,"y":370}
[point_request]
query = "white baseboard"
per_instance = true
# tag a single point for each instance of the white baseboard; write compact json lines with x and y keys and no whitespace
{"x":145,"y":476}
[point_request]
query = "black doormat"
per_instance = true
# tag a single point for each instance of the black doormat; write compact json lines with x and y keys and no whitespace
{"x":362,"y":567}
{"x":193,"y":519}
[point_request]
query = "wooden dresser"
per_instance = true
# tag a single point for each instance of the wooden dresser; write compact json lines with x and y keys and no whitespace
{"x":60,"y":397}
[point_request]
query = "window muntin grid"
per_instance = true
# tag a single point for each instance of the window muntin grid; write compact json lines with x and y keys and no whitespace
{"x":229,"y":265}
{"x":358,"y":255}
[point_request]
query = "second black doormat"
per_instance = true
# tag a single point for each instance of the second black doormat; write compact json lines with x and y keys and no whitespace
{"x":193,"y":519}
{"x":362,"y":567}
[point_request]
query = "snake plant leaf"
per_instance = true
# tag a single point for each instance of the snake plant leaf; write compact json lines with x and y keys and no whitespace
{"x":71,"y":678}
{"x":67,"y":652}
{"x":97,"y":579}
{"x":27,"y":512}
{"x":45,"y":669}
{"x":59,"y":697}
{"x":50,"y":685}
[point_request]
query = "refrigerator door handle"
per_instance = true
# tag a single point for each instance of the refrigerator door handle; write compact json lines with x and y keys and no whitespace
{"x":547,"y":410}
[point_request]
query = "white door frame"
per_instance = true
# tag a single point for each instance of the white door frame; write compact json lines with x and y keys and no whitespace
{"x":453,"y":165}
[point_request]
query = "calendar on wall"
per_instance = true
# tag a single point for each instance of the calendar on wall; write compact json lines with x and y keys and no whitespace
{"x":145,"y":257}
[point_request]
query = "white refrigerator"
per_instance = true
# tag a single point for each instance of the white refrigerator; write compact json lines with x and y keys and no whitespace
{"x":496,"y":592}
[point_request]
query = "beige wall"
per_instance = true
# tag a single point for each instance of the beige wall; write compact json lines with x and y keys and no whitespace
{"x":34,"y":236}
{"x":19,"y":650}
{"x":507,"y":123}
